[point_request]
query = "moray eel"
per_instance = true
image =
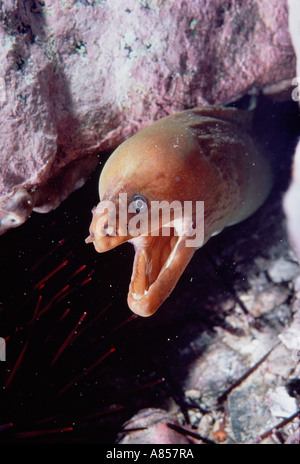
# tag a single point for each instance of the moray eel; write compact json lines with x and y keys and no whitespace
{"x":206,"y":154}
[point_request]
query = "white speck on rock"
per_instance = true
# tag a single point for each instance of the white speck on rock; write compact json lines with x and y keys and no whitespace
{"x":283,"y":405}
{"x":283,"y":270}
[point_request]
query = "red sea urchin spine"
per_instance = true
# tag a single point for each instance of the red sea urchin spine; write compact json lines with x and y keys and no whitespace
{"x":16,"y":366}
{"x":86,"y":371}
{"x":51,"y":274}
{"x":68,"y":339}
{"x":36,"y":433}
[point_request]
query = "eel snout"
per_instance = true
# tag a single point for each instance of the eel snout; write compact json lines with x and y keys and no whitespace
{"x":104,"y":233}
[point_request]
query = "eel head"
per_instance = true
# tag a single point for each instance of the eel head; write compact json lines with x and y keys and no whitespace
{"x":137,"y":177}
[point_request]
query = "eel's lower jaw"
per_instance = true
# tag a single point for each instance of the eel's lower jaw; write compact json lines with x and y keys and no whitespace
{"x":149,"y":288}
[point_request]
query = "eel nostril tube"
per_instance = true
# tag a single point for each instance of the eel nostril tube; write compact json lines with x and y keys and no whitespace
{"x":90,"y":238}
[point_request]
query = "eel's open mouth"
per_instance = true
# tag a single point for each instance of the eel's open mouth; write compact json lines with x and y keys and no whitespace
{"x":158,"y":264}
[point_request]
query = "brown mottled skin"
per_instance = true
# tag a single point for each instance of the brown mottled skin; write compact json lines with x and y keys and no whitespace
{"x":205,"y":154}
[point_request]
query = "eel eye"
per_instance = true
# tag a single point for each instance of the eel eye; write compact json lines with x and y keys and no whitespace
{"x":139,"y":203}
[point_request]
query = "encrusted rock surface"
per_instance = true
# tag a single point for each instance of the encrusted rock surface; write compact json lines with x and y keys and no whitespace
{"x":79,"y":77}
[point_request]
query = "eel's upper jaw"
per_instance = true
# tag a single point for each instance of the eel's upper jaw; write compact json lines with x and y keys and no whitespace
{"x":156,"y":270}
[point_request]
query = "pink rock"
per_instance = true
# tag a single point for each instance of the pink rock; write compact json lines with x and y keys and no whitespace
{"x":150,"y":426}
{"x":79,"y":77}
